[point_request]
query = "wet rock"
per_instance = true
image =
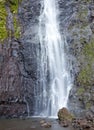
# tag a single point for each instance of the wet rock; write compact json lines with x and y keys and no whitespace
{"x":82,"y":124}
{"x":18,"y":62}
{"x":11,"y":90}
{"x":64,"y":115}
{"x":81,"y":35}
{"x":46,"y":124}
{"x":92,"y":27}
{"x":42,"y":121}
{"x":64,"y":123}
{"x":89,"y":116}
{"x":92,"y":109}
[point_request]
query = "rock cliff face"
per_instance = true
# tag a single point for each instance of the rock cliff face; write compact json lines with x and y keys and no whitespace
{"x":12,"y":102}
{"x":18,"y":56}
{"x":81,"y":37}
{"x":11,"y":90}
{"x":29,"y":15}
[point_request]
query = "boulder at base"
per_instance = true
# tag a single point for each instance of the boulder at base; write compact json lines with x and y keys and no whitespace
{"x":65,"y":115}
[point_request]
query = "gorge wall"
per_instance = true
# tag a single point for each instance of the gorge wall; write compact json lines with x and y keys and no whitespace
{"x":18,"y":54}
{"x":81,"y":37}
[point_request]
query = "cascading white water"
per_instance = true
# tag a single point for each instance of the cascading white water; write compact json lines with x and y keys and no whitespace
{"x":52,"y":90}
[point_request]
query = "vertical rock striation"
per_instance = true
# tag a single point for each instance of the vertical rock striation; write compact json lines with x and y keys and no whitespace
{"x":81,"y":37}
{"x":18,"y":59}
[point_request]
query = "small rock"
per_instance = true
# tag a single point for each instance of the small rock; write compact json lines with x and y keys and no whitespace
{"x":89,"y":116}
{"x":82,"y":124}
{"x":46,"y":125}
{"x":85,"y":125}
{"x":42,"y":121}
{"x":64,"y":124}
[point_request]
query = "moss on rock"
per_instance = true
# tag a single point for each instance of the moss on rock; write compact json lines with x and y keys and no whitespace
{"x":86,"y":74}
{"x":17,"y":29}
{"x":82,"y":14}
{"x":13,"y":5}
{"x":3,"y":14}
{"x":80,"y":91}
{"x":64,"y":114}
{"x":88,"y":105}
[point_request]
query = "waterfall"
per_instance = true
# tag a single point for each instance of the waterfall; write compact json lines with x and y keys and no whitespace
{"x":54,"y":82}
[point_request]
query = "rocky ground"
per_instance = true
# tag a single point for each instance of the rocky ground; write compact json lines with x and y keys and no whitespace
{"x":66,"y":119}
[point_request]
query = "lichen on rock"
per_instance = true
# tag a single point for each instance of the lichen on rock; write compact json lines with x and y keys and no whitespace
{"x":64,"y":115}
{"x":81,"y":31}
{"x":13,"y":5}
{"x":3,"y":15}
{"x":86,"y":74}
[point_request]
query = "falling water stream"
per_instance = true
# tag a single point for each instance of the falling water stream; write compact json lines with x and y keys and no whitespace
{"x":54,"y":83}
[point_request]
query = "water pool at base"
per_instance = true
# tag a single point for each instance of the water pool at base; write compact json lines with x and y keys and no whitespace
{"x":29,"y":124}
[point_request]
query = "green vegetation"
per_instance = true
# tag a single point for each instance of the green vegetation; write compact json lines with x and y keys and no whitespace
{"x":80,"y":91}
{"x":87,"y":72}
{"x":87,"y":1}
{"x":89,"y":51}
{"x":82,"y":14}
{"x":13,"y":5}
{"x":85,"y":75}
{"x":17,"y":28}
{"x":88,"y":105}
{"x":81,"y":23}
{"x":3,"y":14}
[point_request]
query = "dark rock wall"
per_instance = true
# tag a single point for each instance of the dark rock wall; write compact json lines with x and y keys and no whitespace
{"x":29,"y":15}
{"x":81,"y":37}
{"x":18,"y":62}
{"x":11,"y":89}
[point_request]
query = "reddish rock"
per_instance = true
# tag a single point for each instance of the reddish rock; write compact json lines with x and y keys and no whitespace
{"x":11,"y":90}
{"x":82,"y":124}
{"x":42,"y":121}
{"x":85,"y":125}
{"x":46,"y":125}
{"x":64,"y":124}
{"x":89,"y":116}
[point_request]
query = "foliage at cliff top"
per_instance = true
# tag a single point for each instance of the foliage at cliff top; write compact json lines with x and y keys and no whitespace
{"x":3,"y":14}
{"x":86,"y":75}
{"x":13,"y":4}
